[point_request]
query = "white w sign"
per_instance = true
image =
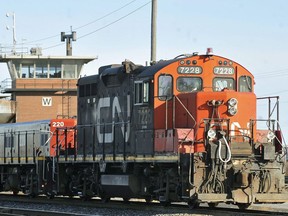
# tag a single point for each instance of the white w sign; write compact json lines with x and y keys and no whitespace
{"x":46,"y":101}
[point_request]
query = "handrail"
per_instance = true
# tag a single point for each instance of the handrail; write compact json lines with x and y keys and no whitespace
{"x":106,"y":124}
{"x":276,"y":106}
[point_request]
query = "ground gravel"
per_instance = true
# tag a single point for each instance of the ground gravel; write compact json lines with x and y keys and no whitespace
{"x":81,"y":211}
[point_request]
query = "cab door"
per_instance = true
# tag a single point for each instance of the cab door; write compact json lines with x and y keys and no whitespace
{"x":143,"y":113}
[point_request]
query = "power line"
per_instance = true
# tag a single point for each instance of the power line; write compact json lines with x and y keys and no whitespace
{"x":98,"y":19}
{"x":114,"y":21}
{"x":109,"y":24}
{"x":33,"y":42}
{"x":268,"y":72}
{"x":274,"y":93}
{"x":272,"y":74}
{"x":105,"y":15}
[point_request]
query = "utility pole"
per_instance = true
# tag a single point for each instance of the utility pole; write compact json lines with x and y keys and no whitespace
{"x":153,"y":31}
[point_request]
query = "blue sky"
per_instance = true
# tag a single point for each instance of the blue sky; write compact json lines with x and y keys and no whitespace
{"x":251,"y":32}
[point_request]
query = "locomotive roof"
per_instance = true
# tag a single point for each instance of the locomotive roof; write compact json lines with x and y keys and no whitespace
{"x":151,"y":70}
{"x":141,"y":71}
{"x":87,"y":79}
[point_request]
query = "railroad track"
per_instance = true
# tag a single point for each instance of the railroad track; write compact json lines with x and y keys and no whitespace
{"x":14,"y":211}
{"x":74,"y":206}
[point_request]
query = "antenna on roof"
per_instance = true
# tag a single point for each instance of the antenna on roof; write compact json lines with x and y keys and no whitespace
{"x":14,"y":30}
{"x":68,"y":38}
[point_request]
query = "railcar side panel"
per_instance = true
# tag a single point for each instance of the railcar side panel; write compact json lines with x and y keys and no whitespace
{"x":21,"y":142}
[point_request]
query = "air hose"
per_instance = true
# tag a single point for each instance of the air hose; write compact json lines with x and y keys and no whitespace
{"x":229,"y":151}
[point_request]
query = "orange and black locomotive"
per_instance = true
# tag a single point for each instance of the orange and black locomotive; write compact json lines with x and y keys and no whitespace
{"x":184,"y":129}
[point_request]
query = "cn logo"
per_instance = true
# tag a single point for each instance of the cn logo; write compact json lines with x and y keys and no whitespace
{"x":46,"y":101}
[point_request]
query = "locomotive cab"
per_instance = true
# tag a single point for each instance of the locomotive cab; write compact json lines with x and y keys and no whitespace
{"x":207,"y":105}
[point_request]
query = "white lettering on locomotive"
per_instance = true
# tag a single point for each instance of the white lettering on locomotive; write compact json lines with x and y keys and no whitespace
{"x":105,"y":102}
{"x":236,"y":127}
{"x":58,"y":124}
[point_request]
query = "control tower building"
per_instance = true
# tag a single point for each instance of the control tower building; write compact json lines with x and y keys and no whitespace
{"x":42,"y":87}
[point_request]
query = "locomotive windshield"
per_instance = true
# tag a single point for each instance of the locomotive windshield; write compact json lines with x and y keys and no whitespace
{"x":223,"y":83}
{"x":189,"y":84}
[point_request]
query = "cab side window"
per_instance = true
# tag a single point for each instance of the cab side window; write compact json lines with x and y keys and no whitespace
{"x":141,"y":92}
{"x":245,"y":84}
{"x":165,"y":87}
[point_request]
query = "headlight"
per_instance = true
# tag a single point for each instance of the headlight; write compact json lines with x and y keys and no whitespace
{"x":211,"y":134}
{"x":232,"y":110}
{"x":233,"y":102}
{"x":232,"y":106}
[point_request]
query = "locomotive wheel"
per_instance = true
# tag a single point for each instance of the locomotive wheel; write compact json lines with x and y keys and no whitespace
{"x":85,"y":197}
{"x":50,"y":195}
{"x":32,"y":195}
{"x":105,"y":199}
{"x":213,"y":205}
{"x":243,"y":206}
{"x":126,"y":199}
{"x":192,"y":204}
{"x":165,"y":203}
{"x":15,"y":192}
{"x":148,"y":199}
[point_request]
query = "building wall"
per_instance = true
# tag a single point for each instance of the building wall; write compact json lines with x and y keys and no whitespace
{"x":45,"y":105}
{"x":44,"y":84}
{"x":45,"y":99}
